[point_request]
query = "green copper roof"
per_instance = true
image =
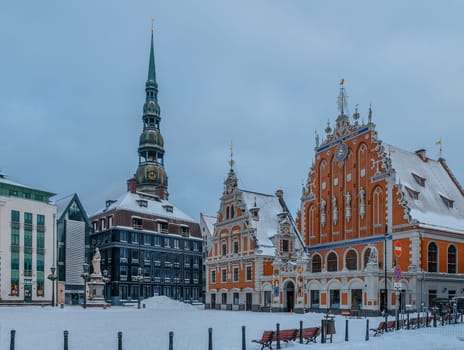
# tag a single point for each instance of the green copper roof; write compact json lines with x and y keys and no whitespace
{"x":151,"y":67}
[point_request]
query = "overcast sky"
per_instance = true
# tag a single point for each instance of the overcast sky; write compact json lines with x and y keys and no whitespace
{"x":263,"y":74}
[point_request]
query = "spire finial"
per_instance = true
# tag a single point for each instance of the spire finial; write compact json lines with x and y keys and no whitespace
{"x":369,"y":115}
{"x":440,"y":148}
{"x":231,"y":161}
{"x":152,"y":24}
{"x":151,"y":63}
{"x":341,"y":97}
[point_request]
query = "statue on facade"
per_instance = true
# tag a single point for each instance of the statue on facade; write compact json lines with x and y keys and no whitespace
{"x":323,"y":215}
{"x":372,"y":256}
{"x":96,"y":262}
{"x":334,"y":210}
{"x":348,"y":206}
{"x":362,"y":206}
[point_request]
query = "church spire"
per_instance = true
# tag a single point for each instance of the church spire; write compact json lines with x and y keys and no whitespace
{"x":151,"y":176}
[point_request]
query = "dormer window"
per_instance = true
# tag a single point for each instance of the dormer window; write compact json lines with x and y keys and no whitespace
{"x":143,"y":203}
{"x":168,"y":208}
{"x":185,"y":231}
{"x":285,"y":246}
{"x":419,"y":179}
{"x":137,"y":223}
{"x":448,"y":202}
{"x":413,"y":194}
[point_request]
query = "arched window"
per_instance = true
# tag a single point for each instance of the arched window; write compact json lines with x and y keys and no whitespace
{"x":432,"y":255}
{"x":227,"y":213}
{"x":316,"y":264}
{"x":351,"y":260}
{"x":377,"y":208}
{"x":312,"y":220}
{"x":332,"y":262}
{"x":451,"y":259}
{"x":232,"y":212}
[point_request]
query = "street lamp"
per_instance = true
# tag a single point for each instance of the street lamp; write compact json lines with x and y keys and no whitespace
{"x":105,"y":279}
{"x":53,"y":277}
{"x":85,"y":275}
{"x":385,"y":295}
{"x":139,"y":278}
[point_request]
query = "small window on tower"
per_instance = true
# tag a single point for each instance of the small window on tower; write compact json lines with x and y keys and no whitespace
{"x":419,"y":179}
{"x":285,"y":245}
{"x":413,"y":194}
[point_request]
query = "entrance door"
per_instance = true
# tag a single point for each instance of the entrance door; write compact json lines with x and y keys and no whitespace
{"x":356,"y":301}
{"x":249,"y":301}
{"x":27,"y":293}
{"x":290,"y":296}
{"x":213,"y":301}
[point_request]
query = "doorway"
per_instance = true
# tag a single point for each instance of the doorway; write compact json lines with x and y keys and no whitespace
{"x":213,"y":301}
{"x":249,"y":301}
{"x":290,"y":296}
{"x":27,"y":293}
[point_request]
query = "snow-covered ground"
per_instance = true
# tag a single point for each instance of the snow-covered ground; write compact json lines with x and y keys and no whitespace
{"x":42,"y":328}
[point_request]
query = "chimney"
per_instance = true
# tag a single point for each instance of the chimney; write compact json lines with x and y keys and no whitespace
{"x":279,"y":194}
{"x":422,"y":154}
{"x":132,"y":185}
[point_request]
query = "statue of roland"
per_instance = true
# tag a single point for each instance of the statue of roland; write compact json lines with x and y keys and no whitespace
{"x":96,"y":262}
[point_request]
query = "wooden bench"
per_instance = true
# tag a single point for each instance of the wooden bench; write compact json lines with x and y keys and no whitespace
{"x":286,"y":335}
{"x":309,"y":334}
{"x":266,"y":340}
{"x":379,"y":330}
{"x":391,"y":325}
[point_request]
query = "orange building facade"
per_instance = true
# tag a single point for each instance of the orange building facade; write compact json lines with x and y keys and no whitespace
{"x":378,"y":228}
{"x":362,"y":199}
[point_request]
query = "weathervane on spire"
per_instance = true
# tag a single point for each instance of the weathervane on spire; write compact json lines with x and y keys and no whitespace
{"x":341,"y":97}
{"x":152,"y":24}
{"x":440,"y":148}
{"x":231,"y":161}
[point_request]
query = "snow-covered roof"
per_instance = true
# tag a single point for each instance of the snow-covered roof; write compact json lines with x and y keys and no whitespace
{"x":155,"y":206}
{"x":268,"y":224}
{"x":429,"y":208}
{"x":209,"y":222}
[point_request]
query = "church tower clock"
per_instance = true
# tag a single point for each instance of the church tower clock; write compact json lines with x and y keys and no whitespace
{"x":151,"y":176}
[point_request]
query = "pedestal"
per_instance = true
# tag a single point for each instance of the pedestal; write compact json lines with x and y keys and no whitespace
{"x":96,"y":288}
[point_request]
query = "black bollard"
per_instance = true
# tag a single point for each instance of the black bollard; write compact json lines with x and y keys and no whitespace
{"x":278,"y":335}
{"x":243,"y":338}
{"x":434,"y":320}
{"x":418,"y":321}
{"x":12,"y":339}
{"x":443,"y":319}
{"x":461,"y":316}
{"x":119,"y":340}
{"x":301,"y":332}
{"x":367,"y":329}
{"x":408,"y":326}
{"x":171,"y":340}
{"x":322,"y":332}
{"x":210,"y":339}
{"x":65,"y":335}
{"x":346,"y":330}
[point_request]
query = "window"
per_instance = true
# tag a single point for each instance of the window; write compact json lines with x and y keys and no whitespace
{"x":236,"y":298}
{"x":236,"y":247}
{"x":176,"y":243}
{"x":351,"y":260}
{"x":185,"y":231}
{"x":157,"y":240}
{"x":224,"y":249}
{"x":335,"y":298}
{"x":102,"y":224}
{"x":143,"y":203}
{"x":224,"y":275}
{"x":332,"y":262}
{"x":267,"y":298}
{"x":432,"y":256}
{"x":316,"y":264}
{"x":213,"y":276}
{"x":146,"y":239}
{"x":123,"y":236}
{"x":413,"y":194}
{"x":315,"y":299}
{"x":163,"y":227}
{"x":248,"y":273}
{"x":419,"y":179}
{"x":448,"y":202}
{"x":285,"y":245}
{"x":236,"y":274}
{"x":137,"y":223}
{"x":378,"y":211}
{"x":451,"y":259}
{"x":134,"y":238}
{"x":110,"y":221}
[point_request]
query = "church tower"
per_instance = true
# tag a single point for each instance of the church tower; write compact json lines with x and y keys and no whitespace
{"x":151,"y":176}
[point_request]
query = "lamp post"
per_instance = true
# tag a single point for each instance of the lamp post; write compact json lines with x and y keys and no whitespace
{"x":105,"y":279}
{"x":85,"y":275}
{"x":53,"y":277}
{"x":139,"y":278}
{"x":385,"y":295}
